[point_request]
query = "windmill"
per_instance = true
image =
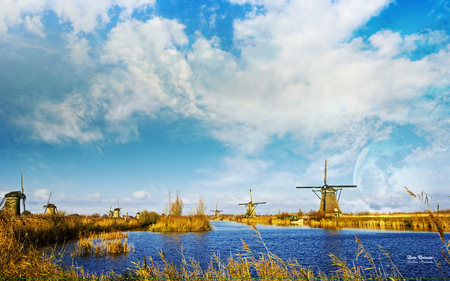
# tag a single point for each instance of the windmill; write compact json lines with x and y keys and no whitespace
{"x":250,"y":212}
{"x":50,"y":209}
{"x":117,"y":210}
{"x":138,"y":214}
{"x":110,"y":212}
{"x":328,"y":201}
{"x":12,"y":200}
{"x":216,"y":212}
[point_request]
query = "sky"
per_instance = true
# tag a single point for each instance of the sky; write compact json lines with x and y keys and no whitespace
{"x":128,"y":100}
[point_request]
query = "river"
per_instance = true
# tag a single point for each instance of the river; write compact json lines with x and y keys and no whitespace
{"x":414,"y":253}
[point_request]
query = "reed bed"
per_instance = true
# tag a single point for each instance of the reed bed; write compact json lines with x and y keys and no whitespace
{"x":90,"y":246}
{"x":193,"y":223}
{"x":254,"y":220}
{"x":281,"y":221}
{"x":108,"y":235}
{"x":414,"y":221}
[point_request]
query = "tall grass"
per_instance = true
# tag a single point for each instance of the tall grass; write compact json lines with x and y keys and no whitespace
{"x":193,"y":223}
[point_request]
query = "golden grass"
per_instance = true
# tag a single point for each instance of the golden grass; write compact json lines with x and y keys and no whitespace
{"x":181,"y":224}
{"x":89,"y":246}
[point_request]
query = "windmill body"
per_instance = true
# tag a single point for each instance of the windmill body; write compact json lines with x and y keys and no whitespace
{"x":250,"y":211}
{"x":117,"y":211}
{"x":138,"y":214}
{"x":50,"y":209}
{"x":12,"y":200}
{"x":110,"y":212}
{"x":328,"y":200}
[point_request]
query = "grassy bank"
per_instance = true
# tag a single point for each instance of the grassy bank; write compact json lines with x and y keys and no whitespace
{"x":419,"y":222}
{"x":193,"y":223}
{"x":47,"y":230}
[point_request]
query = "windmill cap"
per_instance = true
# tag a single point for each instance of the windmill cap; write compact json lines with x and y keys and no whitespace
{"x":17,"y":194}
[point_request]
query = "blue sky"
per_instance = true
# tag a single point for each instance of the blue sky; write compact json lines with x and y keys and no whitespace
{"x":125,"y":100}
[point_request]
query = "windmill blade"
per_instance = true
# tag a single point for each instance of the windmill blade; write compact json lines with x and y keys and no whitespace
{"x":309,"y":186}
{"x":1,"y":203}
{"x":45,"y":211}
{"x":259,"y":203}
{"x":343,"y":186}
{"x":49,"y":198}
{"x":325,"y":178}
{"x":110,"y":207}
{"x":244,"y":204}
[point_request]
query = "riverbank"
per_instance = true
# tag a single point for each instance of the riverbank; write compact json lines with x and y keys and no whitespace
{"x":419,"y":222}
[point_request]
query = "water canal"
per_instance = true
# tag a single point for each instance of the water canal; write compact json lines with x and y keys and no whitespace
{"x":309,"y":246}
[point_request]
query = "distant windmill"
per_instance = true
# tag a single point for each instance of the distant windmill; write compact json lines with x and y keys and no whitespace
{"x":50,"y":209}
{"x":138,"y":214}
{"x":110,"y":212}
{"x":12,"y":200}
{"x":328,"y":201}
{"x":117,"y":210}
{"x":250,"y":211}
{"x":216,"y":212}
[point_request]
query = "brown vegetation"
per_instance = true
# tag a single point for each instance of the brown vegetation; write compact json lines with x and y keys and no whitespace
{"x":182,"y":224}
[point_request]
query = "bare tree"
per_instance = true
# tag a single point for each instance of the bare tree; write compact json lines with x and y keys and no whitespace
{"x":201,"y":206}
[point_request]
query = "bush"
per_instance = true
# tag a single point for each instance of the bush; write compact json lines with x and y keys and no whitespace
{"x":149,"y":217}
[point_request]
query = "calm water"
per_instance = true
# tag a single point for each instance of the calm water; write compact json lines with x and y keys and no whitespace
{"x":310,"y":246}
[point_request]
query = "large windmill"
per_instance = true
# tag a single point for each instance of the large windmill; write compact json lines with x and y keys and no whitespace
{"x":216,"y":212}
{"x":328,"y":201}
{"x":117,"y":210}
{"x":250,"y":212}
{"x":50,"y":209}
{"x":12,"y":200}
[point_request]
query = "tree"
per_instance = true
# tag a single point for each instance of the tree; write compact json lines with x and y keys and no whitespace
{"x":174,"y":208}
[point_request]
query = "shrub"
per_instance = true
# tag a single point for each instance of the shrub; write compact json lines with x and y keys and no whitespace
{"x":149,"y":217}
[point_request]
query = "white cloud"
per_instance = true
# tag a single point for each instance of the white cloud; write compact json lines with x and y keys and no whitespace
{"x":235,"y":171}
{"x":56,"y":123}
{"x":79,"y":50}
{"x":41,"y":195}
{"x":34,"y":25}
{"x":84,"y":16}
{"x":141,"y":194}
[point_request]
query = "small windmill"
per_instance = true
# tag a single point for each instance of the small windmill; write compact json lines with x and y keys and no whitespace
{"x":138,"y":214}
{"x":216,"y":212}
{"x":117,"y":210}
{"x":50,"y":209}
{"x":110,"y":212}
{"x":12,"y":200}
{"x":250,"y":212}
{"x":328,"y":201}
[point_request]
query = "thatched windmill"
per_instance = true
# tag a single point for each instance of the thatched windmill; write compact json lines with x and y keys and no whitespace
{"x":216,"y":212}
{"x":328,"y":201}
{"x":117,"y":210}
{"x":12,"y":200}
{"x":250,"y":211}
{"x":50,"y":209}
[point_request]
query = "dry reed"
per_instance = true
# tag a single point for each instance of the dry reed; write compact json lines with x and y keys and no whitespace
{"x":181,"y":224}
